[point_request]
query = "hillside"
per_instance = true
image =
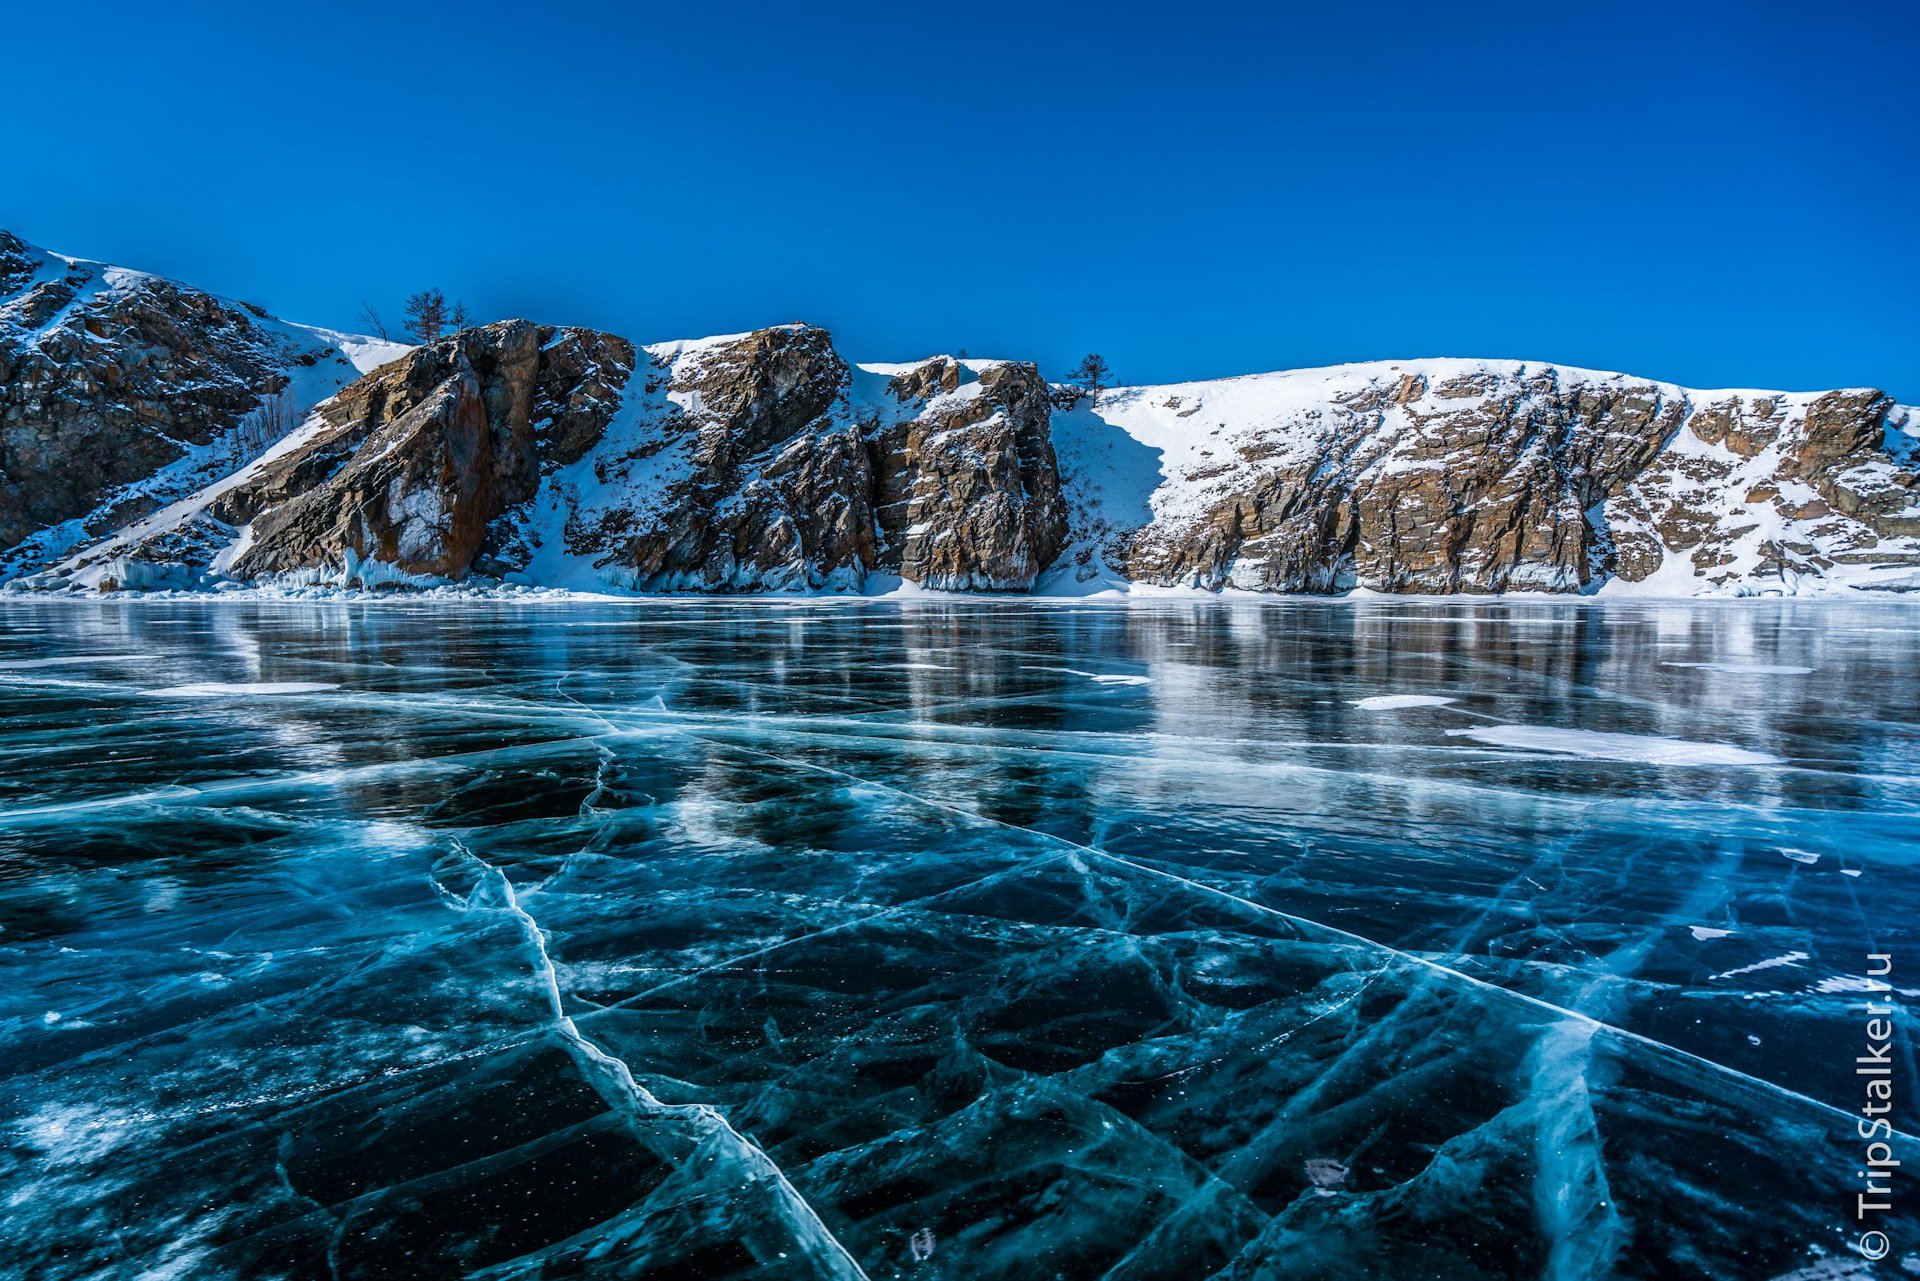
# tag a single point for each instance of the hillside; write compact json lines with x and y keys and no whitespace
{"x":156,"y":437}
{"x":1450,"y":475}
{"x":120,"y":391}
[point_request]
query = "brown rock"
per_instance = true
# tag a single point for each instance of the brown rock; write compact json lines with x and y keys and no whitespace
{"x":967,"y":492}
{"x":102,"y":385}
{"x":425,"y":454}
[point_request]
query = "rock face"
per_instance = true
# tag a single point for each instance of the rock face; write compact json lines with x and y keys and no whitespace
{"x":968,"y":487}
{"x":731,"y":468}
{"x":1449,"y":476}
{"x":763,"y":461}
{"x":120,"y":391}
{"x":154,"y":436}
{"x":442,"y":443}
{"x":402,"y":474}
{"x":1775,"y":486}
{"x":547,"y":456}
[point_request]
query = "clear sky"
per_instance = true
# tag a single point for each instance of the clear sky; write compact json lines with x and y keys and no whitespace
{"x":1715,"y":193}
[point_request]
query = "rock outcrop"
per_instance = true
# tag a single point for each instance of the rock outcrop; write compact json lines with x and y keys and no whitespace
{"x":968,"y":489}
{"x":1450,"y":476}
{"x":401,"y":475}
{"x":734,"y":468}
{"x":431,"y":452}
{"x":120,"y":392}
{"x":566,"y":457}
{"x":154,"y":436}
{"x":762,"y":461}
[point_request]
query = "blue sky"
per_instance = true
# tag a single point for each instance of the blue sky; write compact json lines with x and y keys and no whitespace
{"x":1715,"y":193}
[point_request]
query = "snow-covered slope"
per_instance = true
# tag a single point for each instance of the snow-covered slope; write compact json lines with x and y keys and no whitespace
{"x":155,"y":436}
{"x":764,"y":462}
{"x":1448,"y":475}
{"x":567,"y":458}
{"x":121,"y":391}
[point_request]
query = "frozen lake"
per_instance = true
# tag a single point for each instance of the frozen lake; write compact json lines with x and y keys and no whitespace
{"x":950,"y":939}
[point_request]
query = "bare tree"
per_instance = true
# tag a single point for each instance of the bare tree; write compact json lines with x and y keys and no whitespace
{"x":427,"y":315}
{"x":263,"y":426}
{"x":460,"y":318}
{"x":371,"y":319}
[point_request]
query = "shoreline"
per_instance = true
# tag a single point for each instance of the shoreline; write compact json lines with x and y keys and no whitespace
{"x":455,"y":594}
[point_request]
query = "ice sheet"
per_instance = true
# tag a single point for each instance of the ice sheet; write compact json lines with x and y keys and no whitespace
{"x":739,"y":939}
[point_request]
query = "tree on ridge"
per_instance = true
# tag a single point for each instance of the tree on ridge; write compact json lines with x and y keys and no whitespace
{"x":427,"y":315}
{"x":371,"y":319}
{"x":1093,"y":374}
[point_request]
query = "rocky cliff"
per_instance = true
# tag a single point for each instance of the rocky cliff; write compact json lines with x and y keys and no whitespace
{"x":157,"y":437}
{"x":120,"y":391}
{"x":566,"y":457}
{"x":1449,"y":475}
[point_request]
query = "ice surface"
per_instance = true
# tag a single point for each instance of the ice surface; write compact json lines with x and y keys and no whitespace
{"x":1394,"y":702}
{"x":823,"y":939}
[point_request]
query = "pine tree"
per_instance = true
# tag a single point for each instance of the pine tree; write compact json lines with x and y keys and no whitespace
{"x":460,"y":318}
{"x":427,"y":315}
{"x":1092,"y":374}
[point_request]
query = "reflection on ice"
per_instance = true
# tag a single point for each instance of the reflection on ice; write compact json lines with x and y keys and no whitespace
{"x":1771,"y":963}
{"x":67,"y":660}
{"x":943,"y":940}
{"x":1102,"y":678}
{"x":226,"y":689}
{"x":1648,"y":748}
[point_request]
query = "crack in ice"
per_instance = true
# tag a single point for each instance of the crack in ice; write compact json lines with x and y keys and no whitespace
{"x":613,"y":1080}
{"x":1540,"y":1003}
